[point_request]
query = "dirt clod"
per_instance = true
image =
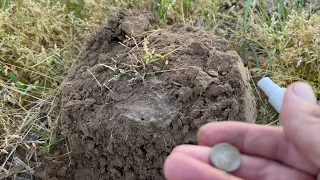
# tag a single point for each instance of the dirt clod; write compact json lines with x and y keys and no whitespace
{"x":126,"y":105}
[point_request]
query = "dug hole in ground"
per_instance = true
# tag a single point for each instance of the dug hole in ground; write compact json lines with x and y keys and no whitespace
{"x":141,"y":88}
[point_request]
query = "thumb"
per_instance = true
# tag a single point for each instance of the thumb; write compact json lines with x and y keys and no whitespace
{"x":300,"y":117}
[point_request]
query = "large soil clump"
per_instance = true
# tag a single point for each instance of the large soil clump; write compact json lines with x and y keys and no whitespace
{"x":140,"y":89}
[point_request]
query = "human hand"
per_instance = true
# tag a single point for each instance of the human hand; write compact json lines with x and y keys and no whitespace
{"x":290,"y":152}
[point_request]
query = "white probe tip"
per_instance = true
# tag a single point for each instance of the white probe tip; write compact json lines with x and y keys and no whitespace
{"x":268,"y":86}
{"x":273,"y":91}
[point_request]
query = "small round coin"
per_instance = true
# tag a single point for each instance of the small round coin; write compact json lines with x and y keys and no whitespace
{"x":225,"y":157}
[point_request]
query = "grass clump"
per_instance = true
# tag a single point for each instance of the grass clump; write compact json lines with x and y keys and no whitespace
{"x":39,"y":41}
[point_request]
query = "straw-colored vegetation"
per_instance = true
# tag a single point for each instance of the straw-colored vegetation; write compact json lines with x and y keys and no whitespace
{"x":40,"y":40}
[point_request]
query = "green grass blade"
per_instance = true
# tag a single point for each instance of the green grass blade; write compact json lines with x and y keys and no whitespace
{"x":13,"y":77}
{"x":244,"y":52}
{"x":5,"y":4}
{"x":255,"y":55}
{"x":246,"y":14}
{"x":265,"y":49}
{"x":244,"y":28}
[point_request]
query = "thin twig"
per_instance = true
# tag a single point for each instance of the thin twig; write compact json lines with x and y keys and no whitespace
{"x":104,"y":65}
{"x":12,"y":171}
{"x":21,"y":92}
{"x":137,"y":45}
{"x":19,"y":161}
{"x":68,"y":152}
{"x":95,"y":78}
{"x":123,"y":45}
{"x":109,"y":89}
{"x":135,"y":42}
{"x":12,"y":151}
{"x":272,"y":123}
{"x":171,"y":70}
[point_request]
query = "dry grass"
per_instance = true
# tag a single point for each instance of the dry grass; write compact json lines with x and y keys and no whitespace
{"x":40,"y":40}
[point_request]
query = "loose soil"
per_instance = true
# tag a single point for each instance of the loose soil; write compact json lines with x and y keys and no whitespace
{"x":142,"y":88}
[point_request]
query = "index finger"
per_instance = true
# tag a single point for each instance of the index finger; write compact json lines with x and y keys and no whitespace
{"x":179,"y":166}
{"x":264,"y":141}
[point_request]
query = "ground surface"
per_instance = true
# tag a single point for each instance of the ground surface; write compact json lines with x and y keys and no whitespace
{"x":40,"y":40}
{"x":126,"y":105}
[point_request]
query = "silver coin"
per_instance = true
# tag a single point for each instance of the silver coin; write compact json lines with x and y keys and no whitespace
{"x":225,"y":157}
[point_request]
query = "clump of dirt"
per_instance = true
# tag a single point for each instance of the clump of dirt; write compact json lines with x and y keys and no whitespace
{"x":140,"y":89}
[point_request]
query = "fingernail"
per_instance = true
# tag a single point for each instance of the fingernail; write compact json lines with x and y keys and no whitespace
{"x":304,"y":91}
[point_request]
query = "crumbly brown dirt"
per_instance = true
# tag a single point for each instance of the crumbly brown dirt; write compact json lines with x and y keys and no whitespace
{"x":139,"y":90}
